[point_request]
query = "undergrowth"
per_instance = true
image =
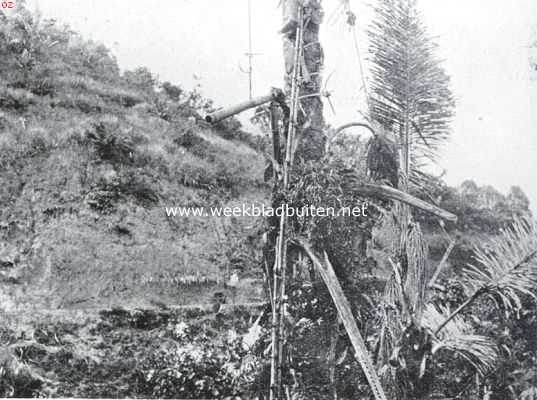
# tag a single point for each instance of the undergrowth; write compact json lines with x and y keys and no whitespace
{"x":120,"y":353}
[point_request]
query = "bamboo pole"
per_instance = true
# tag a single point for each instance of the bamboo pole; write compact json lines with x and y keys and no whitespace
{"x":345,"y":313}
{"x":276,"y":150}
{"x":274,"y":390}
{"x":278,"y":331}
{"x":295,"y":87}
{"x":281,"y":322}
{"x":245,"y":105}
{"x":274,"y":293}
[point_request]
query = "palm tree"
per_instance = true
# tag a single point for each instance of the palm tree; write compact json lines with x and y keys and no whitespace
{"x":505,"y":268}
{"x":412,"y":101}
{"x":410,"y":93}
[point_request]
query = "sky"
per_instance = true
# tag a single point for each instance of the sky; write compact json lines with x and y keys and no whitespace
{"x":485,"y":45}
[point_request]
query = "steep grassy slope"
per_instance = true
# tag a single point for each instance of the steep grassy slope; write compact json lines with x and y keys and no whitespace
{"x":89,"y":159}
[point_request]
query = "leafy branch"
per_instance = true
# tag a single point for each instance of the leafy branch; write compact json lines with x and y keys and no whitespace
{"x":505,"y":268}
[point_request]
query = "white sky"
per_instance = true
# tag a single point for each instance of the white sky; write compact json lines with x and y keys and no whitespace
{"x":484,"y":42}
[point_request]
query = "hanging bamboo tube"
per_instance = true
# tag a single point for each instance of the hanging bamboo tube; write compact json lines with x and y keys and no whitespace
{"x":219,"y":115}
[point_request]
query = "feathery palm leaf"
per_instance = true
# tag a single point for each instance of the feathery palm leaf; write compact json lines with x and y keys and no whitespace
{"x":457,"y":336}
{"x":410,"y":89}
{"x":507,"y":266}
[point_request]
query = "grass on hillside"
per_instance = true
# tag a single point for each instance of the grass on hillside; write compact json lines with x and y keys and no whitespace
{"x":90,"y":157}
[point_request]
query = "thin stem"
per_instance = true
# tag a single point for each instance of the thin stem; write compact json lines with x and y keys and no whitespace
{"x":469,"y":301}
{"x":352,"y":124}
{"x":442,"y":263}
{"x":278,"y":331}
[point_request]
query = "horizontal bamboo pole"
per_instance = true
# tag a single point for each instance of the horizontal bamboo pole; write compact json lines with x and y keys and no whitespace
{"x":245,"y":105}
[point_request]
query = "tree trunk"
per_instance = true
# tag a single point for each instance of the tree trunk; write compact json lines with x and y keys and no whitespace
{"x":310,"y":121}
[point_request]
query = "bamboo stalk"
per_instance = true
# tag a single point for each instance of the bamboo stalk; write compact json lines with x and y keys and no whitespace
{"x":277,"y":153}
{"x":276,"y":270}
{"x":281,"y":253}
{"x":281,"y":322}
{"x":275,"y":319}
{"x":267,"y":277}
{"x":294,"y":99}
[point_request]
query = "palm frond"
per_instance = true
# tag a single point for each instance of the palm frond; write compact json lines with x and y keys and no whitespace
{"x":507,"y":266}
{"x":415,"y":276}
{"x":410,"y":89}
{"x":404,"y":293}
{"x":391,"y":319}
{"x":458,"y":337}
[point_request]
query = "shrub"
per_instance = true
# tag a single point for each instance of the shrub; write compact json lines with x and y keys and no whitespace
{"x":15,"y":99}
{"x":128,"y":183}
{"x":109,"y":146}
{"x":17,"y":379}
{"x":192,"y":171}
{"x":195,"y":368}
{"x":133,"y":183}
{"x":190,"y":139}
{"x":141,"y":78}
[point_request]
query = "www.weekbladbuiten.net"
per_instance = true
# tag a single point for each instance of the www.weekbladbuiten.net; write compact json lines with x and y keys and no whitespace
{"x":262,"y":210}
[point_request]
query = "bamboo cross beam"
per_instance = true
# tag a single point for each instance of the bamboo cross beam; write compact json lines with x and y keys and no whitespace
{"x":345,"y":313}
{"x":217,"y":116}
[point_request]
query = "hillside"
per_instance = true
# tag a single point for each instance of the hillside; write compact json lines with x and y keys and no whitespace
{"x":90,"y":157}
